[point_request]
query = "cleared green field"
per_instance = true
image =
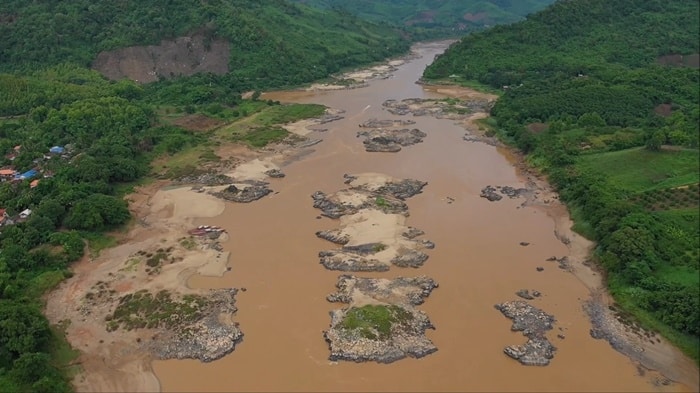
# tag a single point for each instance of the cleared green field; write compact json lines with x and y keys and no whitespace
{"x":640,"y":170}
{"x":680,"y":275}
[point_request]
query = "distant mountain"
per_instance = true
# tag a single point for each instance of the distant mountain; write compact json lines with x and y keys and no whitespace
{"x":266,"y":42}
{"x":427,"y":18}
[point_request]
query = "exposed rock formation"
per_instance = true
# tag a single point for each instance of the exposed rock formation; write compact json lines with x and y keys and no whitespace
{"x":334,"y":236}
{"x":387,"y":198}
{"x":438,"y":108}
{"x":350,"y":262}
{"x":275,"y":173}
{"x":372,"y":233}
{"x":404,"y":290}
{"x":385,"y":327}
{"x":390,"y":140}
{"x":494,"y":194}
{"x":209,"y":338}
{"x":533,"y":323}
{"x":248,"y":192}
{"x":375,"y":123}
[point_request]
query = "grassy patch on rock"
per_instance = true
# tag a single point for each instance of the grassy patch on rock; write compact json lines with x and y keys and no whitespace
{"x":261,"y":136}
{"x":143,"y":309}
{"x":263,"y":128}
{"x":375,"y":321}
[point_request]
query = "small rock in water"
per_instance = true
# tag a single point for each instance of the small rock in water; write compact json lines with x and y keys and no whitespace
{"x":536,"y":294}
{"x":490,"y":193}
{"x":524,"y":244}
{"x":525,"y":294}
{"x":540,"y":268}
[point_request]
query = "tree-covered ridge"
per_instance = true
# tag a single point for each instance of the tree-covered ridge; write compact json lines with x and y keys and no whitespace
{"x":585,"y":96}
{"x":273,"y":42}
{"x":581,"y":36}
{"x":435,"y":18}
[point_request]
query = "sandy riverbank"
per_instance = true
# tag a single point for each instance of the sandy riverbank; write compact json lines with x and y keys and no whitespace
{"x":118,"y":361}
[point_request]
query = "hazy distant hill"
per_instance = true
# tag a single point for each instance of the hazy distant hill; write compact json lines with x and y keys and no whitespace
{"x":437,"y":17}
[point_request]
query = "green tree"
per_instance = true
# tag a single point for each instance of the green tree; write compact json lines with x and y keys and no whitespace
{"x":655,"y":140}
{"x":23,"y":329}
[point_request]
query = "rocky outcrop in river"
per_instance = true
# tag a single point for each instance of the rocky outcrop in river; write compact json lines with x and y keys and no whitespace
{"x":497,"y":193}
{"x":390,"y":140}
{"x":360,"y":258}
{"x":245,"y":192}
{"x":385,"y":327}
{"x":373,"y":204}
{"x":207,"y":339}
{"x":387,"y":197}
{"x":533,"y":323}
{"x":345,"y":261}
{"x":445,"y":108}
{"x":375,"y":123}
{"x":405,"y":290}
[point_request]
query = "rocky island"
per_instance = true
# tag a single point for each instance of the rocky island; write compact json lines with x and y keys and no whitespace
{"x":381,"y":323}
{"x":450,"y":108}
{"x":389,"y":139}
{"x":372,"y":231}
{"x":533,"y":323}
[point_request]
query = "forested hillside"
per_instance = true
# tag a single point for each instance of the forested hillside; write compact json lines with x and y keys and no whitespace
{"x":273,"y":42}
{"x":603,"y":96}
{"x":437,"y":18}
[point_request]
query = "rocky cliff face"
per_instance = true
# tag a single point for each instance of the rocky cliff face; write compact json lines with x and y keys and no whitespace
{"x":177,"y":57}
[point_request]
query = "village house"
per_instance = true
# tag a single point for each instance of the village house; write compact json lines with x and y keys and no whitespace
{"x":57,"y":150}
{"x":34,"y":183}
{"x":3,"y":217}
{"x":7,"y":174}
{"x":27,"y":175}
{"x":25,"y":213}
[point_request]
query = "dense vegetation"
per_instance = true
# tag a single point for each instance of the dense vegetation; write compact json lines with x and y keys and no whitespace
{"x":425,"y":19}
{"x":375,"y":321}
{"x":273,"y":42}
{"x":587,"y":98}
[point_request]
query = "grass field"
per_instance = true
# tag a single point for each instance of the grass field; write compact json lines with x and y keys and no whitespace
{"x":640,"y":170}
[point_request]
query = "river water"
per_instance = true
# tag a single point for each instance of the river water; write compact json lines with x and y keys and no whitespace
{"x":478,"y":262}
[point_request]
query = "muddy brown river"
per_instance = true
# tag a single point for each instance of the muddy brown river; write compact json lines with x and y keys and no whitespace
{"x":478,"y":262}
